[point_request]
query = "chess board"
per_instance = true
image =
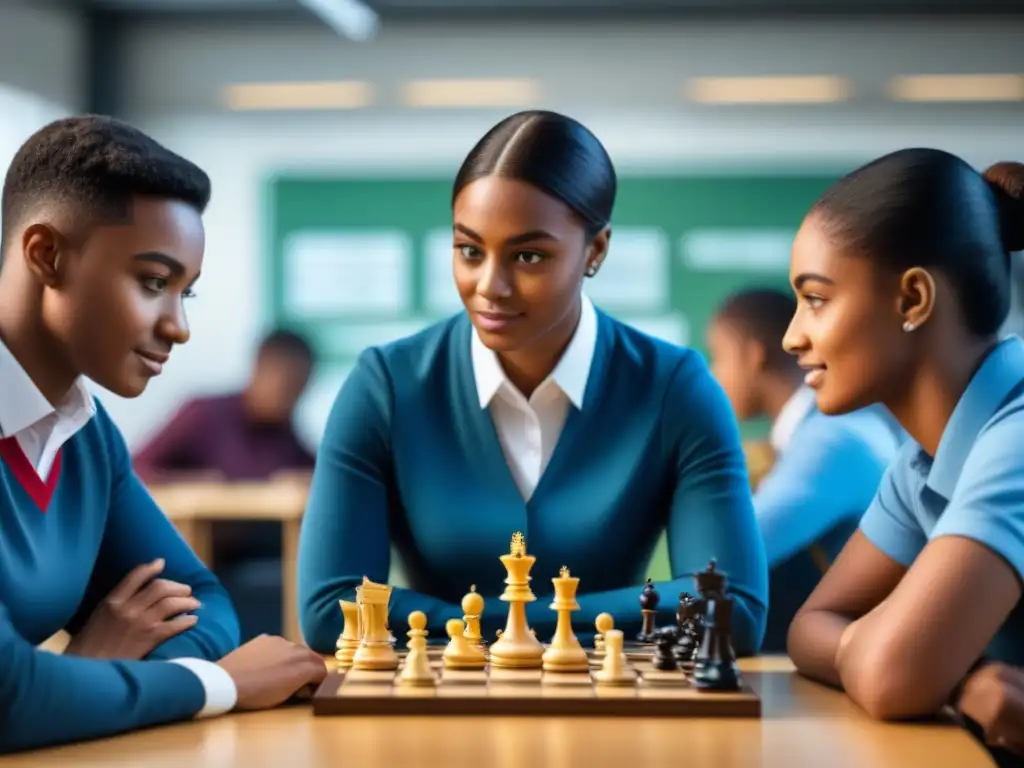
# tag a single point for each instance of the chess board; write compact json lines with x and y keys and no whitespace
{"x":529,"y":692}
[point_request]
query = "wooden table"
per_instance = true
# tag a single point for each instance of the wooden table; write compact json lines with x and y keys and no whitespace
{"x":803,"y":725}
{"x":195,"y":507}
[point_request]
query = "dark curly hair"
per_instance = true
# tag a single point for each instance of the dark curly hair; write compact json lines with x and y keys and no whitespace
{"x":97,"y":164}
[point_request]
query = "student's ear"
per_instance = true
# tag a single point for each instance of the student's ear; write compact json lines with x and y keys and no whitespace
{"x":41,"y":249}
{"x":597,"y":250}
{"x":917,"y":297}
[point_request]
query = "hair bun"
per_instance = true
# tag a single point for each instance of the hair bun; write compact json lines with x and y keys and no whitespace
{"x":1007,"y":181}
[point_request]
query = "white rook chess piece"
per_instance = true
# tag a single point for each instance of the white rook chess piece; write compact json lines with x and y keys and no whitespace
{"x":375,"y":650}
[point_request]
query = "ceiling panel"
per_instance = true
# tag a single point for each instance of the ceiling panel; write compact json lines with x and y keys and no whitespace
{"x":439,"y":8}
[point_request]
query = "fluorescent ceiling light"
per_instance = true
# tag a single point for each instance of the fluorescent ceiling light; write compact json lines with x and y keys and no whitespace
{"x":470,"y":93}
{"x":957,"y":88}
{"x":814,"y":89}
{"x":349,"y":18}
{"x":352,"y":94}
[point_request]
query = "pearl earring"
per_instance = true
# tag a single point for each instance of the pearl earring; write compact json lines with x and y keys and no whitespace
{"x":591,"y":270}
{"x":908,"y":326}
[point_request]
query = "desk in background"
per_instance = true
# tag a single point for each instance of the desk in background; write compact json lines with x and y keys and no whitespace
{"x":193,"y":507}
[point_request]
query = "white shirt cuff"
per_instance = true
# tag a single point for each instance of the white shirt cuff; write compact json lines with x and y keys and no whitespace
{"x":221,"y":693}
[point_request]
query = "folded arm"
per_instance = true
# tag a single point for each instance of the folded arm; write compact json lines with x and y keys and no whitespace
{"x":47,"y":699}
{"x":906,"y":655}
{"x":138,"y":532}
{"x":345,"y":531}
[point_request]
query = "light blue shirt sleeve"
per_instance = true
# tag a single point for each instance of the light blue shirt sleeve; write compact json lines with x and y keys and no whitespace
{"x":828,"y":474}
{"x":889,"y":522}
{"x":988,"y":503}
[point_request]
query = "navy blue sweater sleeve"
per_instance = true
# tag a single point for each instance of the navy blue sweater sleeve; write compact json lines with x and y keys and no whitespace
{"x":46,"y":699}
{"x":138,"y":532}
{"x":711,"y":516}
{"x":712,"y":511}
{"x":345,"y":530}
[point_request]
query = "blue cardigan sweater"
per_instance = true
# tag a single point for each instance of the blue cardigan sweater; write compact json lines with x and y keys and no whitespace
{"x":64,"y":546}
{"x":410,"y":462}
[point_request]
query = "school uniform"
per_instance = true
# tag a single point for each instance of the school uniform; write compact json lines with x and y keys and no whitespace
{"x":431,"y":451}
{"x":973,"y":487}
{"x":826,"y":474}
{"x":74,"y":520}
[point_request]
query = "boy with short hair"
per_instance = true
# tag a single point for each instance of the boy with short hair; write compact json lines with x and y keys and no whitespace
{"x":102,"y":241}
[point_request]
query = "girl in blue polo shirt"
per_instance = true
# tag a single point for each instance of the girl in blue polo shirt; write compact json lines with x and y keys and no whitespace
{"x":102,"y":239}
{"x":902,"y":272}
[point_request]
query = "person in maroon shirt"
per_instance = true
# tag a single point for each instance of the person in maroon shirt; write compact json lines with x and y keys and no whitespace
{"x":242,"y":436}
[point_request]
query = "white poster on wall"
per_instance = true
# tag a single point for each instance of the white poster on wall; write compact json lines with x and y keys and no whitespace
{"x":441,"y":294}
{"x":672,"y":327}
{"x":348,"y":272}
{"x":753,"y":250}
{"x":635,"y":274}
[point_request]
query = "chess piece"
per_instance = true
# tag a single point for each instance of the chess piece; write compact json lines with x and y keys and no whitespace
{"x":416,"y":670}
{"x":348,"y":640}
{"x":602,"y":624}
{"x":664,"y":640}
{"x":472,"y":608}
{"x":375,"y":649}
{"x":517,"y":646}
{"x":714,"y":668}
{"x":461,"y":652}
{"x":687,"y":619}
{"x":615,"y":669}
{"x":564,"y":653}
{"x":649,"y":600}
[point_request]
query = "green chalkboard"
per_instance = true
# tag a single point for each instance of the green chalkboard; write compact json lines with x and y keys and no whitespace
{"x":356,"y":261}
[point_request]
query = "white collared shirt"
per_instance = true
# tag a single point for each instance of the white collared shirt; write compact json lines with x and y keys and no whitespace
{"x":41,"y":430}
{"x":529,"y":429}
{"x":25,"y":414}
{"x":793,"y":412}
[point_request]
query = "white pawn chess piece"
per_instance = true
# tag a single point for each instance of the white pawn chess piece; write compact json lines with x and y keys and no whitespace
{"x":615,"y":669}
{"x":602,"y":624}
{"x":416,"y":670}
{"x":462,"y":652}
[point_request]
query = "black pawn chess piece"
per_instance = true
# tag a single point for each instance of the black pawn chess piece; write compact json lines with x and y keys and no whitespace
{"x":664,"y":640}
{"x":649,"y":600}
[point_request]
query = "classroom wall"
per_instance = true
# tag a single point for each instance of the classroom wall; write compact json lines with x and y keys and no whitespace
{"x":624,"y":80}
{"x":42,"y":52}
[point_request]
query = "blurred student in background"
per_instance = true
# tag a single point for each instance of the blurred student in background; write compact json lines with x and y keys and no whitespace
{"x":826,"y":469}
{"x":247,"y":435}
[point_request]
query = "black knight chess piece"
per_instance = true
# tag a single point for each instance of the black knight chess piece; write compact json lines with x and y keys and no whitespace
{"x":649,"y":600}
{"x":714,"y":667}
{"x":665,"y":639}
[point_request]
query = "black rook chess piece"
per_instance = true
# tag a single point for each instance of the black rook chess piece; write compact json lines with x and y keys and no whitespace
{"x":649,"y":600}
{"x":714,"y":668}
